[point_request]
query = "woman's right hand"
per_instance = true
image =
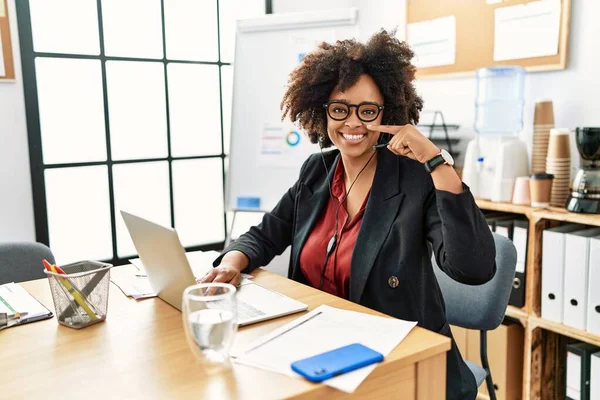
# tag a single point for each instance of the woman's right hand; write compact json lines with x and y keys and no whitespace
{"x":224,"y":274}
{"x":230,"y":269}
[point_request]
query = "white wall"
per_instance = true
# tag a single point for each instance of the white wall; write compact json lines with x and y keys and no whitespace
{"x":575,"y":91}
{"x":16,"y":201}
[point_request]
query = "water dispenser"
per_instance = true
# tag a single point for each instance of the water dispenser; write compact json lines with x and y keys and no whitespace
{"x":497,"y":156}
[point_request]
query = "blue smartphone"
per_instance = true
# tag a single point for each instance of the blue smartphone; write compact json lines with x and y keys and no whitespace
{"x":336,"y":362}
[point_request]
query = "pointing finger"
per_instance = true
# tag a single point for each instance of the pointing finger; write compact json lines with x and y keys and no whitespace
{"x":386,"y":128}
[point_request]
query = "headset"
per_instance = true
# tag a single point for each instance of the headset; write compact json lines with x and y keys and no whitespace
{"x":384,"y":138}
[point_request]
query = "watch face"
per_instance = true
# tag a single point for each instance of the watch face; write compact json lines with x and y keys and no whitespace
{"x":447,"y":157}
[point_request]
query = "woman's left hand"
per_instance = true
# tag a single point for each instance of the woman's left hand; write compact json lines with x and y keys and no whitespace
{"x":408,"y":141}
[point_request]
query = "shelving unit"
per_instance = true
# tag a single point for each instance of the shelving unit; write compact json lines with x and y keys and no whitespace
{"x":446,"y":142}
{"x":545,"y":341}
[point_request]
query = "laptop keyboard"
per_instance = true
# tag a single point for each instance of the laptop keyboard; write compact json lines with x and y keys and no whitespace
{"x":244,"y":310}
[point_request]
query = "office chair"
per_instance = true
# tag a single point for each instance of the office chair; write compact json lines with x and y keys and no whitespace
{"x":481,"y":307}
{"x":22,"y":261}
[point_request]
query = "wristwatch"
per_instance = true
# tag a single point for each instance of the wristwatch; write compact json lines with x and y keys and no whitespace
{"x":443,"y":158}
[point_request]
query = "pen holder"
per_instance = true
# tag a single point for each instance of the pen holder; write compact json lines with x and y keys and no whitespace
{"x":80,"y":295}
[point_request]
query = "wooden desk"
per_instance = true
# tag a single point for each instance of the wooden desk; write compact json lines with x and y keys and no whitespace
{"x":140,"y":351}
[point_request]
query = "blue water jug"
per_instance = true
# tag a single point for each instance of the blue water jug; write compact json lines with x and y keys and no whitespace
{"x":499,"y":101}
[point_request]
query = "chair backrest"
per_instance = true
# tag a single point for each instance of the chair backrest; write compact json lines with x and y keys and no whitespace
{"x":481,"y":307}
{"x":22,"y":261}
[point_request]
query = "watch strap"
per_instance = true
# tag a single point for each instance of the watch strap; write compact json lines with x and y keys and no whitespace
{"x":434,"y":163}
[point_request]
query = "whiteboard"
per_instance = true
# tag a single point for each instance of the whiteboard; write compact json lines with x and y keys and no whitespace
{"x":266,"y":154}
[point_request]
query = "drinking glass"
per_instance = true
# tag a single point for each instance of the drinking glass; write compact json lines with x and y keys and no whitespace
{"x":210,"y":321}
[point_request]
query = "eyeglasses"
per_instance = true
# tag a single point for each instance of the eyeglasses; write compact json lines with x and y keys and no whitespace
{"x":366,"y":111}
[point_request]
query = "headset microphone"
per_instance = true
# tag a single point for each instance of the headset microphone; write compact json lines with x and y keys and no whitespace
{"x":384,"y":140}
{"x":332,"y":243}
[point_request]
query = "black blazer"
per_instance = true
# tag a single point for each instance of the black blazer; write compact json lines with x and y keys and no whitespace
{"x":391,"y":268}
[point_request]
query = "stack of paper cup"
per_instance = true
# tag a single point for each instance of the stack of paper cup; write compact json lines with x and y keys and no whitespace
{"x":558,"y":163}
{"x":543,"y":121}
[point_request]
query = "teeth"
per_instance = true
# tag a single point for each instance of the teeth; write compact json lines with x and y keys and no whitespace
{"x":353,"y":137}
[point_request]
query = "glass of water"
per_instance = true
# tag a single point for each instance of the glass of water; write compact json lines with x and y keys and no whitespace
{"x":210,"y":321}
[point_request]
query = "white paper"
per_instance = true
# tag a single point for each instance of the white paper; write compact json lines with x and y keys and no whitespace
{"x":573,"y":376}
{"x":2,"y":9}
{"x":13,"y":298}
{"x":330,"y":329}
{"x":2,"y":70}
{"x":527,"y":30}
{"x":433,"y":41}
{"x":284,"y":145}
{"x":131,"y":285}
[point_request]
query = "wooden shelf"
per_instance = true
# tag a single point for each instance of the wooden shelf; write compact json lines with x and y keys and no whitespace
{"x":504,"y":207}
{"x":560,"y":214}
{"x":584,"y":336}
{"x":517,"y":313}
{"x":551,"y":213}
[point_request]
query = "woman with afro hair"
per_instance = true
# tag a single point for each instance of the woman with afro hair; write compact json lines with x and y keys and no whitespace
{"x":362,"y":218}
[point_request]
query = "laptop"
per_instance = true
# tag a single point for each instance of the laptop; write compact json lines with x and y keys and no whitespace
{"x":169,"y":272}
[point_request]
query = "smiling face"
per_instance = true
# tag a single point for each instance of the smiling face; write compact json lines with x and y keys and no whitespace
{"x":351,"y":136}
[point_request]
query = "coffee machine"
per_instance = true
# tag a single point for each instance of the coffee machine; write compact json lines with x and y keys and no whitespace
{"x":585,"y":196}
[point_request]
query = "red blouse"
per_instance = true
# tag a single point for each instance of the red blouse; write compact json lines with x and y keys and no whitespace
{"x":337,"y":271}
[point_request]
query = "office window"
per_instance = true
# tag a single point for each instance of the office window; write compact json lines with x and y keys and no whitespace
{"x":128,"y":107}
{"x":132,"y":28}
{"x":195,"y":112}
{"x":137,"y":109}
{"x":73,"y":128}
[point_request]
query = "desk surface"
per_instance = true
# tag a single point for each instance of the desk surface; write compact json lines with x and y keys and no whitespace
{"x":140,"y":351}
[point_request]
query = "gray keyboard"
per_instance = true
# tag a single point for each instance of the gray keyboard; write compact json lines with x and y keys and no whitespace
{"x":244,"y":310}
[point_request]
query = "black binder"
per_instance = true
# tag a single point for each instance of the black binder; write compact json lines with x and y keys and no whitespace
{"x":520,"y":238}
{"x":578,"y":370}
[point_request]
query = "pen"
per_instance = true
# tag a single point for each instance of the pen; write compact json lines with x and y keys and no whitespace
{"x":285,"y":331}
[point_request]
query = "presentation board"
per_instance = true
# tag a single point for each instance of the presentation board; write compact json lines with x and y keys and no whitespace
{"x":266,"y":154}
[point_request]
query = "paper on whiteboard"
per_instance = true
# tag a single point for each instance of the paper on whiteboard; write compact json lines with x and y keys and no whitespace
{"x":284,"y":145}
{"x":527,"y":30}
{"x":306,"y":42}
{"x":433,"y":41}
{"x":2,"y":70}
{"x":312,"y":335}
